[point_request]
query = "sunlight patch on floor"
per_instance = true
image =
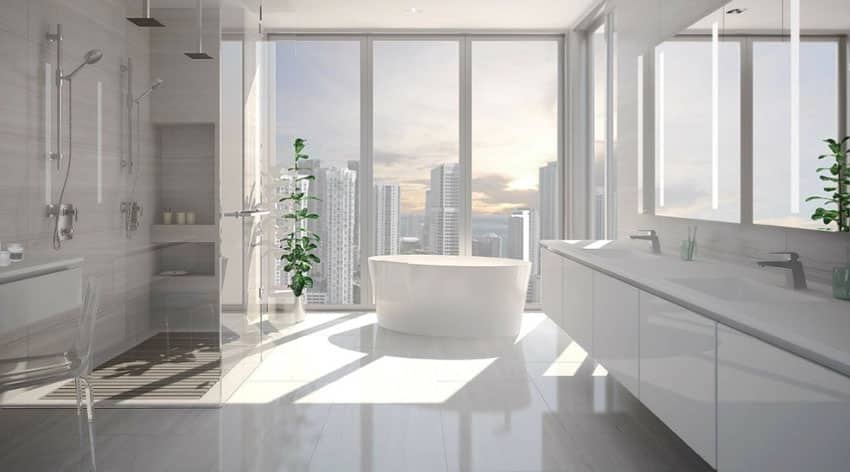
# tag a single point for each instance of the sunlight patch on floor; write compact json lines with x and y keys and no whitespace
{"x":399,"y":380}
{"x":530,"y":322}
{"x":568,"y":362}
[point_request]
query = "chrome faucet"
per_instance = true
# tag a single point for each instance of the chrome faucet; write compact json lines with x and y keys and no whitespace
{"x":796,"y":277}
{"x":650,"y":236}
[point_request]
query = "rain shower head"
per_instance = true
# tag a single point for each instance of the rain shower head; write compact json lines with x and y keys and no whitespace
{"x":156,"y":83}
{"x":91,"y":57}
{"x":198,"y":55}
{"x":146,"y":21}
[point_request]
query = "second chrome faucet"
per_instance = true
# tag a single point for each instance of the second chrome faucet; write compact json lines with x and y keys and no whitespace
{"x":651,"y":236}
{"x":796,"y":276}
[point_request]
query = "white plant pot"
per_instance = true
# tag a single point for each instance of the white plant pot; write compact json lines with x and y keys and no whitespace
{"x":298,"y":311}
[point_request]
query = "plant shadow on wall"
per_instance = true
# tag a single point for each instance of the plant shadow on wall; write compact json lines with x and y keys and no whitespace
{"x":299,"y":244}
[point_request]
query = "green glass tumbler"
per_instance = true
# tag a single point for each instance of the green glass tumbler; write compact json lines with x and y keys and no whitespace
{"x":841,"y":283}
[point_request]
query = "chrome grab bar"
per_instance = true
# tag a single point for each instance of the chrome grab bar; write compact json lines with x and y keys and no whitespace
{"x":245,"y":213}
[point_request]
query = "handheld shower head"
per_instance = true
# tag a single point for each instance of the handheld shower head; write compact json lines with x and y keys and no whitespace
{"x":156,"y":83}
{"x":91,"y":57}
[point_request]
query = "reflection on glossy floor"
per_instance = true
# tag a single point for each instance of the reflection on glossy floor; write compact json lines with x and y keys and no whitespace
{"x":337,"y":393}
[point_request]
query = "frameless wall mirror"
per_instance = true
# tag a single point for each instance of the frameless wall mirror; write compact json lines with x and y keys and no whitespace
{"x":744,"y":99}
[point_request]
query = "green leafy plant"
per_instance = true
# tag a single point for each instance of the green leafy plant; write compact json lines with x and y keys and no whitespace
{"x":837,"y":208}
{"x":299,"y":244}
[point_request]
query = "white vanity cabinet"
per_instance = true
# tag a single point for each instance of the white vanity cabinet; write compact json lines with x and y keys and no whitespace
{"x":615,"y":329}
{"x":577,"y":317}
{"x":552,"y":271}
{"x":777,"y":411}
{"x":677,"y":371}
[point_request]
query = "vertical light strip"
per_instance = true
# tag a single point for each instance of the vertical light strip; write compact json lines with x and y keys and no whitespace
{"x":715,"y":114}
{"x":661,"y":126}
{"x":48,"y":81}
{"x":640,"y":133}
{"x":99,"y":142}
{"x":795,"y":106}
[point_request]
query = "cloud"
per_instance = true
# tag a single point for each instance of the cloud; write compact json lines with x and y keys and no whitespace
{"x":492,"y":194}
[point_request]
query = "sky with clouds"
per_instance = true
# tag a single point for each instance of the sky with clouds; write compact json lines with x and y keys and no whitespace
{"x":416,"y":112}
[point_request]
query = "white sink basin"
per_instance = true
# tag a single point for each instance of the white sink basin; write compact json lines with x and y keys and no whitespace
{"x":736,"y":289}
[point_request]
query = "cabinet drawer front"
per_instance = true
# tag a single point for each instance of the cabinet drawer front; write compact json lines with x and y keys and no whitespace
{"x":551,"y":268}
{"x":615,"y":329}
{"x":777,"y":411}
{"x":678,"y":359}
{"x":578,"y":303}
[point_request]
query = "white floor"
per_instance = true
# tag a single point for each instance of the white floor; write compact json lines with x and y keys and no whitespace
{"x":337,"y":393}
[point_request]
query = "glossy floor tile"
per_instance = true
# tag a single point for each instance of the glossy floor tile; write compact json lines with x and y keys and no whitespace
{"x":337,"y":393}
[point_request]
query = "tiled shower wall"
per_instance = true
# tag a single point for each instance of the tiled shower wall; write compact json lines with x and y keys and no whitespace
{"x":122,"y":266}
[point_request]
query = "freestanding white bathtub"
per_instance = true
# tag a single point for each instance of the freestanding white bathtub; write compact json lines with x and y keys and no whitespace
{"x":449,"y":295}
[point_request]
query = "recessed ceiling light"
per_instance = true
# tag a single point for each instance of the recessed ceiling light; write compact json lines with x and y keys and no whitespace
{"x":736,"y":11}
{"x":414,"y":10}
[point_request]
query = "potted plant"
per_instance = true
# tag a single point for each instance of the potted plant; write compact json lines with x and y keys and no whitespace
{"x":299,"y":244}
{"x":837,"y":206}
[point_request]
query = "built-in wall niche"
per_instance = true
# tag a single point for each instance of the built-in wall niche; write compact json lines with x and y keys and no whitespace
{"x":191,"y":258}
{"x":744,"y":99}
{"x":186,"y":173}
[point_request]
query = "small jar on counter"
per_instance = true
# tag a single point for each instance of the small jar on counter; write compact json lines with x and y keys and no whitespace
{"x":16,"y":252}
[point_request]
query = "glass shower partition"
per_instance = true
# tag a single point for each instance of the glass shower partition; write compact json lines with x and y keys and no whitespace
{"x":243,"y":209}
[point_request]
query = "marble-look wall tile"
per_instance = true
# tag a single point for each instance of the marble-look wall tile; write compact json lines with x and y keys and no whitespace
{"x":122,"y":267}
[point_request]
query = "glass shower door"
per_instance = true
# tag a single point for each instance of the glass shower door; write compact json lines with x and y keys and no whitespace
{"x":242,"y":210}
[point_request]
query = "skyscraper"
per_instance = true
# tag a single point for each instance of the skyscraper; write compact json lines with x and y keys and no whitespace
{"x":488,"y":245}
{"x":387,"y":200}
{"x":443,"y":210}
{"x":522,"y":244}
{"x":337,"y":190}
{"x":520,"y":234}
{"x":284,"y":186}
{"x":547,"y":201}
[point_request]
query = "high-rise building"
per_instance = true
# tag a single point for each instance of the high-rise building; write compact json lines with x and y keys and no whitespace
{"x":387,"y":201}
{"x":522,"y":244}
{"x":337,"y":190}
{"x":284,"y":186}
{"x":547,"y":201}
{"x":488,"y":245}
{"x":443,"y":210}
{"x":520,"y":234}
{"x":355,"y":166}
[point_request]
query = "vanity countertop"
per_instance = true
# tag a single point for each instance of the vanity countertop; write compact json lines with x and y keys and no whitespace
{"x":33,"y":266}
{"x":809,"y":323}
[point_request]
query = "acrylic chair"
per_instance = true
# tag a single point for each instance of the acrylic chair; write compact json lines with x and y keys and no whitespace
{"x":76,"y":363}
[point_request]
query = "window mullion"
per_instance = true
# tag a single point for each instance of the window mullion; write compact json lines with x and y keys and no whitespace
{"x":465,"y":130}
{"x":746,"y":184}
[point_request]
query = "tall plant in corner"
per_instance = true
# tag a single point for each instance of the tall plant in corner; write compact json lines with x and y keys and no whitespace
{"x":836,"y":208}
{"x":299,"y":245}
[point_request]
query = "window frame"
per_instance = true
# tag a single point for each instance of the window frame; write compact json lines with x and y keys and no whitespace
{"x":366,"y":171}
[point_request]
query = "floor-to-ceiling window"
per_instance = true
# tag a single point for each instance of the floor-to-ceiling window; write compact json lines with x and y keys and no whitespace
{"x":406,"y":131}
{"x":598,"y":59}
{"x":417,"y":183}
{"x":318,"y":99}
{"x":515,"y":176}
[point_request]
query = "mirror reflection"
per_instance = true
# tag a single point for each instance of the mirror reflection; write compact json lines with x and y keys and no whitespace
{"x":756,"y":86}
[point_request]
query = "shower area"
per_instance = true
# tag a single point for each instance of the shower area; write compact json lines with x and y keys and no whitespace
{"x":150,"y":182}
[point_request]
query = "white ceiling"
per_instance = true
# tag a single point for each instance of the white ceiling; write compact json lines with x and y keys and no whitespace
{"x":428,"y":14}
{"x":769,"y":15}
